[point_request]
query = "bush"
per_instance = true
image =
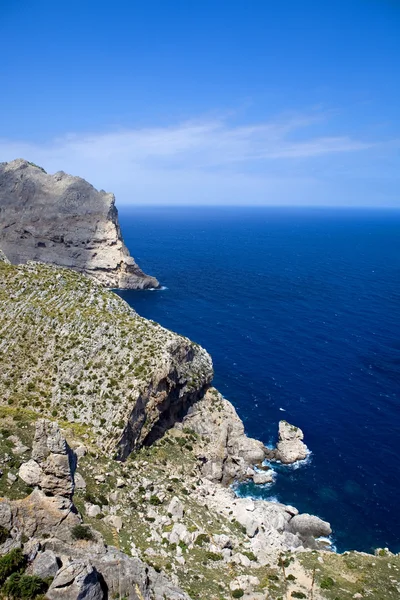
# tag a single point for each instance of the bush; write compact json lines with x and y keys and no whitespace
{"x":4,"y":533}
{"x":82,"y":532}
{"x":10,"y":563}
{"x":238,"y":593}
{"x":298,"y":595}
{"x":24,"y":586}
{"x":327,"y":583}
{"x":250,"y":555}
{"x":202,"y":538}
{"x":291,"y":577}
{"x":155,"y":500}
{"x":214,"y":556}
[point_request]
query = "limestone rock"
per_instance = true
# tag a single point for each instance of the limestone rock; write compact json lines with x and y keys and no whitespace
{"x":307,"y":526}
{"x":262,"y":477}
{"x":78,"y":580}
{"x":3,"y":257}
{"x":175,"y":508}
{"x":63,"y":220}
{"x":45,"y":564}
{"x":230,"y":453}
{"x":52,"y":465}
{"x":30,"y":473}
{"x":80,"y":483}
{"x":290,"y":447}
{"x":114,"y":521}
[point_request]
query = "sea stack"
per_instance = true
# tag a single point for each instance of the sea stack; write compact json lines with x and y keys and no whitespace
{"x":63,"y":220}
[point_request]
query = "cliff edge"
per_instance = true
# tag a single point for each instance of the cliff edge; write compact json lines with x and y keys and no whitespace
{"x":63,"y":220}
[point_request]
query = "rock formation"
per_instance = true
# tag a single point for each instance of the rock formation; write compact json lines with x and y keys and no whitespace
{"x":63,"y":220}
{"x":290,"y":447}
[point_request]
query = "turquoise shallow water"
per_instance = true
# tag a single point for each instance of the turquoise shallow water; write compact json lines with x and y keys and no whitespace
{"x":300,"y":312}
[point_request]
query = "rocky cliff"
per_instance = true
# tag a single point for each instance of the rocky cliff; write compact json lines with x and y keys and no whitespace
{"x":63,"y":220}
{"x":137,"y":505}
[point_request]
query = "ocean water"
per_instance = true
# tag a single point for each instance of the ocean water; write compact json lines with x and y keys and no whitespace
{"x":300,"y":310}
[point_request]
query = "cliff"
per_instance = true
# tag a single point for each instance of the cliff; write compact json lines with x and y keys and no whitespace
{"x":63,"y":220}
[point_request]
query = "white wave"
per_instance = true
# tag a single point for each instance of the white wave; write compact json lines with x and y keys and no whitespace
{"x":282,"y":409}
{"x":328,"y":541}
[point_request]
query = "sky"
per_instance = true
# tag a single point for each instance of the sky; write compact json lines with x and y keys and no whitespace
{"x":215,"y":102}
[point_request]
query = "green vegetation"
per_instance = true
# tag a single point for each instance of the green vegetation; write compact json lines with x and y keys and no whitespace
{"x":10,"y":563}
{"x":82,"y":532}
{"x":24,"y":587}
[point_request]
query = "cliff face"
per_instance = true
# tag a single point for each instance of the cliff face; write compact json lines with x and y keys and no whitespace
{"x":63,"y":220}
{"x":70,"y":349}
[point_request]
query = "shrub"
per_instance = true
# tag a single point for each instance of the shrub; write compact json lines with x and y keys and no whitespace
{"x":24,"y":586}
{"x":327,"y":583}
{"x":238,"y":593}
{"x":4,"y":533}
{"x":298,"y":595}
{"x":82,"y":532}
{"x":155,"y":500}
{"x":202,"y":538}
{"x":214,"y":556}
{"x":291,"y":577}
{"x":11,"y":562}
{"x":250,"y":555}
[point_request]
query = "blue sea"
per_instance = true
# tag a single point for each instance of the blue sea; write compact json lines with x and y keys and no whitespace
{"x":300,"y":310}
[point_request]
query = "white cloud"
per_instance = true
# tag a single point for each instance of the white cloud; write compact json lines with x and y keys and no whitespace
{"x":208,"y":161}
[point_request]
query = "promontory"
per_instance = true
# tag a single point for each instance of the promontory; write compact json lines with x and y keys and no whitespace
{"x":63,"y":220}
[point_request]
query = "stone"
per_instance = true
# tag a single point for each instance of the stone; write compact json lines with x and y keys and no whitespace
{"x":307,"y":526}
{"x":63,"y":220}
{"x":222,"y":541}
{"x":11,"y":477}
{"x":78,"y":580}
{"x":114,"y":521}
{"x":80,"y":483}
{"x":262,"y":477}
{"x":120,"y":482}
{"x":290,"y":447}
{"x":30,"y":472}
{"x":80,"y":451}
{"x":175,"y":508}
{"x":92,"y":510}
{"x":45,"y":564}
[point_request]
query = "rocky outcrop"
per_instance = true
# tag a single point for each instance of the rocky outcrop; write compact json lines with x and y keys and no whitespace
{"x":53,"y":463}
{"x":290,"y":447}
{"x":3,"y":257}
{"x":128,"y":377}
{"x":229,"y":454}
{"x":63,"y":220}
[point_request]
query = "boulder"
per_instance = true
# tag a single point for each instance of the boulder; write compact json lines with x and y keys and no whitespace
{"x":45,"y":564}
{"x":175,"y":509}
{"x":307,"y":526}
{"x":30,"y":472}
{"x":76,"y":581}
{"x":262,"y":477}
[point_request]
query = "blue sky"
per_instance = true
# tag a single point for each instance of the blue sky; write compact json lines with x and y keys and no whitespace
{"x":283,"y":102}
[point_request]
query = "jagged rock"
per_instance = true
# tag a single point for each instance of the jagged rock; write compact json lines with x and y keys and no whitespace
{"x":222,"y":541}
{"x":175,"y":509}
{"x":290,"y":447}
{"x":11,"y":477}
{"x":230,"y":453}
{"x":45,"y":564}
{"x":307,"y":526}
{"x":63,"y":220}
{"x":76,"y":581}
{"x":52,"y":465}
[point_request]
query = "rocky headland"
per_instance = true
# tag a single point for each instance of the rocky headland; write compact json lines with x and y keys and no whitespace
{"x":117,"y":454}
{"x":63,"y":220}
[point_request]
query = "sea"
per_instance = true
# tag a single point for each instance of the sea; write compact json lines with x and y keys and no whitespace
{"x":300,"y":311}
